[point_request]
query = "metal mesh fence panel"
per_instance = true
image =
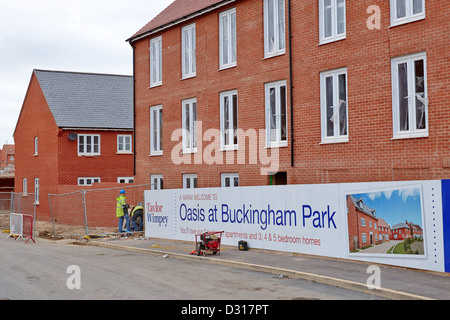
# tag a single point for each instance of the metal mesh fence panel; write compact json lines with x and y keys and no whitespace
{"x":101,"y":204}
{"x":23,"y":203}
{"x":67,"y":209}
{"x":5,"y":202}
{"x":93,"y":211}
{"x":19,"y":204}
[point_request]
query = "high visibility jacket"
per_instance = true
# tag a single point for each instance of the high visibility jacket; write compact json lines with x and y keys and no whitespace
{"x":121,"y":204}
{"x":136,"y":209}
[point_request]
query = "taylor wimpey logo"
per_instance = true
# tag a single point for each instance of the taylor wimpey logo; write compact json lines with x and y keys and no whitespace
{"x":153,"y":211}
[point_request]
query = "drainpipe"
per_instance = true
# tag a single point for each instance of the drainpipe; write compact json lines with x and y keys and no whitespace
{"x":290,"y":82}
{"x":134,"y":108}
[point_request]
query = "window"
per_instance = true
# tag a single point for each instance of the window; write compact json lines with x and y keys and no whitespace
{"x":276,"y":114}
{"x":404,"y":11}
{"x":125,"y":180}
{"x":156,"y":133}
{"x":156,"y":62}
{"x":88,"y":144}
{"x":36,"y":145}
{"x":36,"y":190}
{"x":124,"y":143}
{"x":229,"y":120}
{"x":156,"y":181}
{"x":189,"y":181}
{"x":189,"y":125}
{"x":188,"y":51}
{"x":334,"y":110}
{"x":88,"y":181}
{"x":409,"y":96}
{"x":274,"y":28}
{"x":25,"y":186}
{"x":227,"y":38}
{"x":363,"y":222}
{"x":331,"y":20}
{"x":363,"y":238}
{"x":230,"y":180}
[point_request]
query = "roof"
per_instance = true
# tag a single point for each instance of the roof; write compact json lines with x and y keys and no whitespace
{"x":382,"y":223}
{"x":179,"y":10}
{"x":400,"y":226}
{"x":361,"y":206}
{"x":88,"y":100}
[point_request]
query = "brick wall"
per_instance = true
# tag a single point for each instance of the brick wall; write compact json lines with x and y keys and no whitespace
{"x":35,"y":120}
{"x":370,"y":154}
{"x":108,"y":165}
{"x":57,"y":162}
{"x":249,"y":77}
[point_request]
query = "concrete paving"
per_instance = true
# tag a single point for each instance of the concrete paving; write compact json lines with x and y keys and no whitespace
{"x":396,"y":283}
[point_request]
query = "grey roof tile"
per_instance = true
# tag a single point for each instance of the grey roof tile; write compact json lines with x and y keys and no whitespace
{"x":87,"y":100}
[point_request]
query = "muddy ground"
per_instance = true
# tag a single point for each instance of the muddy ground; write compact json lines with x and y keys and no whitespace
{"x":44,"y":229}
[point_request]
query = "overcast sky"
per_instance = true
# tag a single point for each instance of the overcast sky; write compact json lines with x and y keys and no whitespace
{"x":67,"y":35}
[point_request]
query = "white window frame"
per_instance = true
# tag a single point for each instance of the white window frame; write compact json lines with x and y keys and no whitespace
{"x":278,"y":141}
{"x":157,"y":182}
{"x":88,"y":181}
{"x":279,"y":40}
{"x":84,"y":152}
{"x":231,"y":177}
{"x":36,"y":146}
{"x":189,"y":107}
{"x":227,"y":39}
{"x":127,"y":180}
{"x":156,"y":127}
{"x":412,"y":132}
{"x":334,"y":8}
{"x":25,"y":186}
{"x":410,"y":16}
{"x":155,"y":62}
{"x":188,"y":57}
{"x":36,"y":190}
{"x":337,"y":136}
{"x":190,"y":181}
{"x":229,"y":125}
{"x":127,"y":147}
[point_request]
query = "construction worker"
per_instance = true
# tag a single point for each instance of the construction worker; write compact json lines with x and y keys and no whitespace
{"x":122,"y":211}
{"x":137,"y":212}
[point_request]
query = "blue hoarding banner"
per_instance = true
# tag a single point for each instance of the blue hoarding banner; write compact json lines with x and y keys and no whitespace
{"x":446,"y":221}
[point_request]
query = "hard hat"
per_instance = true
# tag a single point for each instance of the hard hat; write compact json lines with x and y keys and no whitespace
{"x":122,"y":191}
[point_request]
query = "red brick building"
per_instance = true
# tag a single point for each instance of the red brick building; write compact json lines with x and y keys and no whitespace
{"x":7,"y":158}
{"x":406,"y":230}
{"x":384,"y":230}
{"x":401,"y":231}
{"x":318,"y":92}
{"x":362,"y":224}
{"x":417,"y":231}
{"x":74,"y":129}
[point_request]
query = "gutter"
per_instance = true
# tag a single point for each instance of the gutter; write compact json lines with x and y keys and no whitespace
{"x":134,"y":108}
{"x":96,"y":129}
{"x":290,"y":82}
{"x":178,"y":21}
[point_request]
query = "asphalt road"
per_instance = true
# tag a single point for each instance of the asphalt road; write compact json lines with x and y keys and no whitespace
{"x":40,"y":272}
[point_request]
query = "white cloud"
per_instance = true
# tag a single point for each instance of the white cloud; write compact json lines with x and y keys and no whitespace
{"x":406,"y":193}
{"x":388,"y":194}
{"x":373,"y":195}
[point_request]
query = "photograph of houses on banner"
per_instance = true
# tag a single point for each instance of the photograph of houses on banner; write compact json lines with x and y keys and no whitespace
{"x":386,"y":222}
